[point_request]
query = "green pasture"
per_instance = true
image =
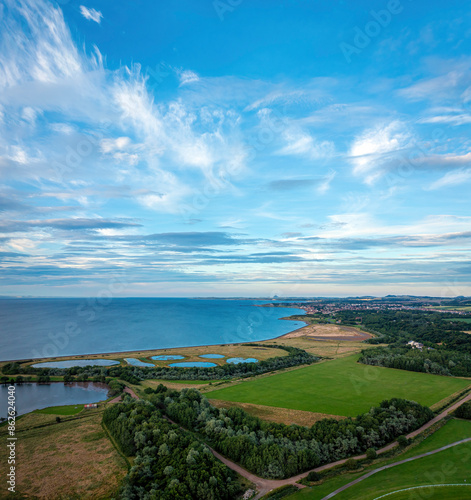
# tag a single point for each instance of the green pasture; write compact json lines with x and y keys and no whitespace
{"x":61,"y":410}
{"x":340,"y":387}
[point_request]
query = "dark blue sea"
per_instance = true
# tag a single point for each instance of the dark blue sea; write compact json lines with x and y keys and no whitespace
{"x":36,"y":328}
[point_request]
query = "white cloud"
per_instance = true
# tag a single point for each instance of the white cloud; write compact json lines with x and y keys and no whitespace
{"x":460,"y":119}
{"x":91,"y":14}
{"x":454,"y":178}
{"x":324,"y":184}
{"x":373,"y":151}
{"x":187,"y":77}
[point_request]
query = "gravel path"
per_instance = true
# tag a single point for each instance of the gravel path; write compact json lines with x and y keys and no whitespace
{"x":356,"y":481}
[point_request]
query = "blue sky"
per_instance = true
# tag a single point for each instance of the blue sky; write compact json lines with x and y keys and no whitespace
{"x":235,"y":147}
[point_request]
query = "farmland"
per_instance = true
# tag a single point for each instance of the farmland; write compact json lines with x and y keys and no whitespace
{"x":340,"y":387}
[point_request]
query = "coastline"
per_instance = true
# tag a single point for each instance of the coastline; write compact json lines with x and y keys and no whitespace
{"x":156,"y":350}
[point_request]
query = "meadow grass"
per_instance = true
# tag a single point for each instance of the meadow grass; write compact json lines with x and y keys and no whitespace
{"x":340,"y":387}
{"x":61,"y":410}
{"x":71,"y":459}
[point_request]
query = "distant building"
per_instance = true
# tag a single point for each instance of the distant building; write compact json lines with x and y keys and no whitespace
{"x":415,"y":345}
{"x":91,"y":405}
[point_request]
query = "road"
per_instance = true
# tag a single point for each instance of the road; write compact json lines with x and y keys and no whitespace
{"x":119,"y":398}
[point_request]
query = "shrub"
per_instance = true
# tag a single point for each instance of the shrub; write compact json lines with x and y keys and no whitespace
{"x":464,"y":411}
{"x":314,"y":476}
{"x":352,"y":464}
{"x":370,"y":453}
{"x":403,"y":441}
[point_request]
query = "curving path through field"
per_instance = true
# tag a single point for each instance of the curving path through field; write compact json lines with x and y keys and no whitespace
{"x":358,"y":480}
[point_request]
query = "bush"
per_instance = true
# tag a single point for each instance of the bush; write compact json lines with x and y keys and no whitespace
{"x":314,"y":476}
{"x":371,"y":454}
{"x":464,"y":411}
{"x":403,"y":441}
{"x":58,"y":420}
{"x":352,"y":464}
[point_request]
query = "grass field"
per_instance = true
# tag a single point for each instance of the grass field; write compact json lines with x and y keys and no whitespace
{"x":72,"y":459}
{"x":439,"y":492}
{"x":340,"y":387}
{"x":447,"y":467}
{"x":61,"y":410}
{"x":462,"y":320}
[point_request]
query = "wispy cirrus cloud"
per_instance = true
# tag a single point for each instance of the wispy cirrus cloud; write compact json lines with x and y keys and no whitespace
{"x":454,"y":178}
{"x":91,"y":14}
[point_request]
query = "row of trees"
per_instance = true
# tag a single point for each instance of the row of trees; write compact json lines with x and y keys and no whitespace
{"x":134,"y":374}
{"x":447,"y":348}
{"x":169,"y":463}
{"x":276,"y":450}
{"x":398,"y":327}
{"x":438,"y":361}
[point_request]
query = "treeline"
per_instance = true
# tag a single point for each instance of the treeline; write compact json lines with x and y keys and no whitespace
{"x":134,"y":374}
{"x":169,"y":463}
{"x":277,"y":451}
{"x":437,"y":361}
{"x":398,"y":327}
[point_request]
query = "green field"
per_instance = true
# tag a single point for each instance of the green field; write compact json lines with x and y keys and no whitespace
{"x":61,"y":410}
{"x":463,"y":320}
{"x":340,"y":387}
{"x":438,"y":492}
{"x":450,"y":466}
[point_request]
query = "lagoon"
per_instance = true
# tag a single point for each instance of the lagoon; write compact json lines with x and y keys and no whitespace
{"x":31,"y":397}
{"x":76,"y":362}
{"x":236,"y":361}
{"x":137,"y":362}
{"x":167,"y":357}
{"x":194,"y":364}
